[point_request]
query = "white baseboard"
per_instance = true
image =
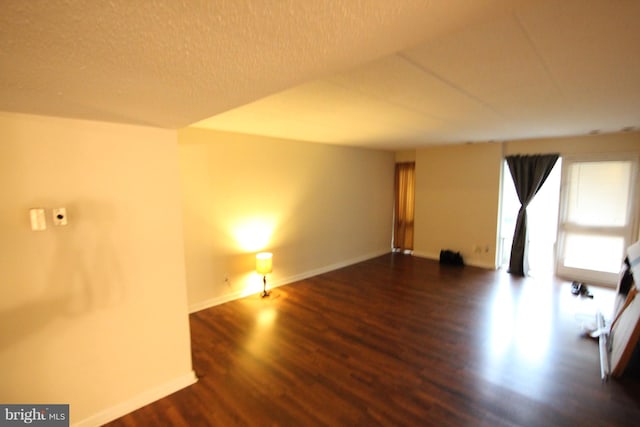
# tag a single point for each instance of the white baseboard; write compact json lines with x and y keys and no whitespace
{"x":211,"y":302}
{"x":138,"y":401}
{"x":427,"y":255}
{"x":471,"y":262}
{"x":329,"y":267}
{"x":481,"y":264}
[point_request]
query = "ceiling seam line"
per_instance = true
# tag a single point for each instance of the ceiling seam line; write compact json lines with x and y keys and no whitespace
{"x":380,"y":98}
{"x":450,"y":84}
{"x":534,"y":47}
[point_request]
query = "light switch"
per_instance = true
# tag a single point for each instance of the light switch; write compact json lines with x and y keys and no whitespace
{"x":59,"y":217}
{"x":38,"y":221}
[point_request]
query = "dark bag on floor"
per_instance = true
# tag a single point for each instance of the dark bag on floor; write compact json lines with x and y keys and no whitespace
{"x":448,"y":257}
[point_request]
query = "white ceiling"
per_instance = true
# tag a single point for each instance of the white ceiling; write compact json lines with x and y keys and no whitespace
{"x":375,"y":73}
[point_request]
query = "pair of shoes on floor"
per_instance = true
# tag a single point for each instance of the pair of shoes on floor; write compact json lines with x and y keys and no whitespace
{"x":581,"y":289}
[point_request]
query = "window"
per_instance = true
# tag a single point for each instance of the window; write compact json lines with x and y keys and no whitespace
{"x":596,"y":218}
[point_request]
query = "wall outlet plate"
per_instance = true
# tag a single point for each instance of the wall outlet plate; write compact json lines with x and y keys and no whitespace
{"x":38,"y":221}
{"x":60,"y":217}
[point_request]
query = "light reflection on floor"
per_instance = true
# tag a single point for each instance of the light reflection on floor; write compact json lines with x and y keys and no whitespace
{"x":522,"y":337}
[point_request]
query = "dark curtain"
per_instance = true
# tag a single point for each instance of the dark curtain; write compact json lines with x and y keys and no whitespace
{"x":528,"y":173}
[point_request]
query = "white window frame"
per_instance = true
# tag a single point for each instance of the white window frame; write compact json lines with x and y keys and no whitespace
{"x":629,"y":232}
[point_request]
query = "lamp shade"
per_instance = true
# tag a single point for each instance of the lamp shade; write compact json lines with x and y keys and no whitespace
{"x":263,"y":263}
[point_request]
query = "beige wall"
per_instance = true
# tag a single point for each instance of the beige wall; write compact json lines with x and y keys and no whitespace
{"x":405,"y":156}
{"x":93,"y":314}
{"x":315,"y":206}
{"x":608,"y":143}
{"x":458,"y":188}
{"x":457,"y":201}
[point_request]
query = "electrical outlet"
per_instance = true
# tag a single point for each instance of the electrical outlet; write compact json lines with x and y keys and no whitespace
{"x":60,"y":217}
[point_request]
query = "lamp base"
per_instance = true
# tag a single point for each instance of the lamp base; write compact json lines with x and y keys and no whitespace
{"x":265,"y":292}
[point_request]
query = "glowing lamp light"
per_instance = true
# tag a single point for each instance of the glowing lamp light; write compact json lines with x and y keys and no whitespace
{"x":253,"y":235}
{"x":264,"y":266}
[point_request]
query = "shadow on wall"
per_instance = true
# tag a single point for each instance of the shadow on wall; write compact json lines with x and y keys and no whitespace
{"x":84,"y":273}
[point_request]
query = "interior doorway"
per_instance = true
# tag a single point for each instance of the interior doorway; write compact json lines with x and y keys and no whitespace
{"x":542,"y":218}
{"x":403,"y":208}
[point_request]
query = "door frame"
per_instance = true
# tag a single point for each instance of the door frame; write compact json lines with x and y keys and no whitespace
{"x":630,"y":236}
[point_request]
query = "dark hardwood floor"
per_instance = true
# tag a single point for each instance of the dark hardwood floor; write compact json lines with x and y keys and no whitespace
{"x":400,"y":341}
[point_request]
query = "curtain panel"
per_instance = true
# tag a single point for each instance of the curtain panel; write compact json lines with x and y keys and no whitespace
{"x":529,"y":174}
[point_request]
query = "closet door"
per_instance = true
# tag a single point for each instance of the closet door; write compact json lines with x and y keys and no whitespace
{"x":597,"y":218}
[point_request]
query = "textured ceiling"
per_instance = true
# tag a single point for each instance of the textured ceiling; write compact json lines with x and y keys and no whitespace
{"x":388,"y":74}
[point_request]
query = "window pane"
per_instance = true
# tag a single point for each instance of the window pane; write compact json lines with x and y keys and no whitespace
{"x":598,"y":193}
{"x":542,"y":219}
{"x":597,"y":253}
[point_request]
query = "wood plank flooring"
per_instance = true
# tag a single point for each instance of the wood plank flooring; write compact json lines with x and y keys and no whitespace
{"x":399,"y":341}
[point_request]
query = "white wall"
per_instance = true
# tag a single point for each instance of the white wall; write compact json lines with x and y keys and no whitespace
{"x":316,"y":207}
{"x":93,"y":314}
